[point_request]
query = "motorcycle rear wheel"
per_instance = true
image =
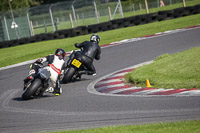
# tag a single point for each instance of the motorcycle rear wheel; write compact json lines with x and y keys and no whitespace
{"x":29,"y":92}
{"x":69,"y":74}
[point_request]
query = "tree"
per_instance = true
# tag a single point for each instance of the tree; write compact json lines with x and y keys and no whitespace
{"x":16,"y":4}
{"x":52,"y":1}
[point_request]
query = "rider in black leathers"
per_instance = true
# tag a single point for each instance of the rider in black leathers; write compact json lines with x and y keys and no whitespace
{"x":90,"y":51}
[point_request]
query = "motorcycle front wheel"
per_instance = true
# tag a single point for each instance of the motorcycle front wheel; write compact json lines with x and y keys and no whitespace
{"x":29,"y":92}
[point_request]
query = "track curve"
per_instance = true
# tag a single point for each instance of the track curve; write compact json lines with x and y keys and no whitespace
{"x":113,"y":85}
{"x":76,"y":108}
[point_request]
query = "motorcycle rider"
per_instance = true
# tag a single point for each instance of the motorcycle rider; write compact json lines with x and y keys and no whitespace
{"x":54,"y":63}
{"x":90,"y":51}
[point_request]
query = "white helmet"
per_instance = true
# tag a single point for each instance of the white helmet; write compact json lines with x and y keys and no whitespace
{"x":95,"y":38}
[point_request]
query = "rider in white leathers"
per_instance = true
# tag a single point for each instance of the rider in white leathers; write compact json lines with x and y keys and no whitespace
{"x":54,"y":63}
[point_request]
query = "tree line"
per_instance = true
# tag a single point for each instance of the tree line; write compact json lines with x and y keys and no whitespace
{"x":17,"y":4}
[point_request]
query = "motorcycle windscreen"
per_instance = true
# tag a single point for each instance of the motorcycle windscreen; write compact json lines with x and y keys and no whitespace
{"x":44,"y":73}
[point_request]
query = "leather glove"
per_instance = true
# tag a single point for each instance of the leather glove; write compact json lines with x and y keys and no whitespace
{"x":38,"y":61}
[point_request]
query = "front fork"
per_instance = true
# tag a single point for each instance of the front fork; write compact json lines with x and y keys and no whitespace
{"x":42,"y":88}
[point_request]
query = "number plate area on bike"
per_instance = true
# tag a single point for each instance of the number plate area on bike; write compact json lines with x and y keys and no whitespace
{"x":76,"y":63}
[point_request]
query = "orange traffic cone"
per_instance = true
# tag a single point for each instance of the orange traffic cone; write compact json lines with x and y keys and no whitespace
{"x":148,"y":83}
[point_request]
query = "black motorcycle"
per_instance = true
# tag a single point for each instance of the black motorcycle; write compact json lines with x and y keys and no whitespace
{"x":37,"y":83}
{"x":74,"y":65}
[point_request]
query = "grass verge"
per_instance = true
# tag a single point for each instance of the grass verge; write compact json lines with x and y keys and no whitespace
{"x":104,"y":18}
{"x":180,"y":70}
{"x":17,"y":54}
{"x":171,"y":127}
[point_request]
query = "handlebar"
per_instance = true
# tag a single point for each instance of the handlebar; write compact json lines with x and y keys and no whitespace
{"x":40,"y":65}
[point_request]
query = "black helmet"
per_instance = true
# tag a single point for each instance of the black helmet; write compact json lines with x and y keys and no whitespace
{"x":95,"y":38}
{"x":60,"y":53}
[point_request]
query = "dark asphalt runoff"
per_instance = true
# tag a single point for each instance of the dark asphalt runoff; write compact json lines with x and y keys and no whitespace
{"x":76,"y":108}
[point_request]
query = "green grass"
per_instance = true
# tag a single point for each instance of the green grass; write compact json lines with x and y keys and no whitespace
{"x":21,"y":53}
{"x":104,"y":18}
{"x":180,"y":70}
{"x":168,"y":7}
{"x":172,"y":127}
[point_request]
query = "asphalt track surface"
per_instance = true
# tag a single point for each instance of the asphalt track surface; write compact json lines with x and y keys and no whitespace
{"x":76,"y":108}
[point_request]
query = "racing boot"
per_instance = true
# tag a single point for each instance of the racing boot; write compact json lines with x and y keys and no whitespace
{"x":50,"y":90}
{"x":87,"y":72}
{"x":57,"y":89}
